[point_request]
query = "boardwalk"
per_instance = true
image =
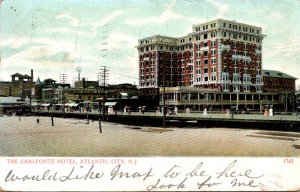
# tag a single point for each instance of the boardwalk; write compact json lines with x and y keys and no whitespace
{"x":74,"y":137}
{"x":277,"y":122}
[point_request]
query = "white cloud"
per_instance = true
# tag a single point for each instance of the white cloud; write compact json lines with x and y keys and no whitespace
{"x":222,"y":8}
{"x":105,"y":20}
{"x":119,"y":40}
{"x":167,"y":15}
{"x":72,"y":20}
{"x":14,"y":42}
{"x":64,"y":30}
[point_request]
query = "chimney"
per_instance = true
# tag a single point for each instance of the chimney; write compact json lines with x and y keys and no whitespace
{"x":83,"y":83}
{"x":31,"y":75}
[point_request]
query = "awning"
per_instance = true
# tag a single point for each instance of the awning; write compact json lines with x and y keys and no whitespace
{"x":70,"y":104}
{"x":110,"y":103}
{"x":34,"y":104}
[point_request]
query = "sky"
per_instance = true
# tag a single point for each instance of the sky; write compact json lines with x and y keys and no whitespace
{"x":55,"y":37}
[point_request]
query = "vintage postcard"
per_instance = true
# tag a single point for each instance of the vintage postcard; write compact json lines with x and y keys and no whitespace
{"x":149,"y":95}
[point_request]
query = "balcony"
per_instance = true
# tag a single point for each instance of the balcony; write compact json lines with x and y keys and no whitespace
{"x":257,"y":51}
{"x":241,"y":57}
{"x":204,"y":48}
{"x":246,"y":82}
{"x":236,"y":82}
{"x":224,"y":47}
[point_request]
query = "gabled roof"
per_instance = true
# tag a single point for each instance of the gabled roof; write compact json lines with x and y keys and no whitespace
{"x":17,"y":75}
{"x":49,"y":80}
{"x":20,"y":75}
{"x":38,"y":81}
{"x":277,"y":74}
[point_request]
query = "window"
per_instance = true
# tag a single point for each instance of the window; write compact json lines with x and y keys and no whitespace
{"x":225,"y":77}
{"x":246,"y":71}
{"x":246,"y":88}
{"x":198,"y":37}
{"x":234,"y":61}
{"x":258,"y":72}
{"x":205,"y":44}
{"x":224,"y":34}
{"x":213,"y":78}
{"x":234,"y":44}
{"x":224,"y":24}
{"x":205,"y":70}
{"x":236,"y":78}
{"x":213,"y":69}
{"x":213,"y":61}
{"x":236,"y":88}
{"x":206,"y":78}
{"x":205,"y":36}
{"x":213,"y":52}
{"x":225,"y":87}
{"x":213,"y":43}
{"x":235,"y":70}
{"x":198,"y":62}
{"x":205,"y":53}
{"x":205,"y":61}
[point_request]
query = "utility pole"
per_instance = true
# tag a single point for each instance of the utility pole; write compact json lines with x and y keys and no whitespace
{"x":104,"y":73}
{"x":164,"y":100}
{"x":63,"y":79}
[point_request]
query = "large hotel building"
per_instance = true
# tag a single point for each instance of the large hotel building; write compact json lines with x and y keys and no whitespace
{"x":219,"y":62}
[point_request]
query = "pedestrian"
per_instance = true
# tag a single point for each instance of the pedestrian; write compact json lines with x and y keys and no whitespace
{"x":205,"y":112}
{"x":227,"y":112}
{"x":266,"y":113}
{"x":271,"y":112}
{"x":187,"y":110}
{"x":175,"y":110}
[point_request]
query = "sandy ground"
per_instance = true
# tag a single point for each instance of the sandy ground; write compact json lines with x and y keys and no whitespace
{"x":73,"y":137}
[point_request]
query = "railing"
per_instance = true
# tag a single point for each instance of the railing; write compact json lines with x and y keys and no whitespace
{"x":196,"y":115}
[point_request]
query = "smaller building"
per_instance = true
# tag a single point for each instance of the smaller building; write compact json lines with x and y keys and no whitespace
{"x":84,"y":83}
{"x":277,"y":81}
{"x":9,"y":105}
